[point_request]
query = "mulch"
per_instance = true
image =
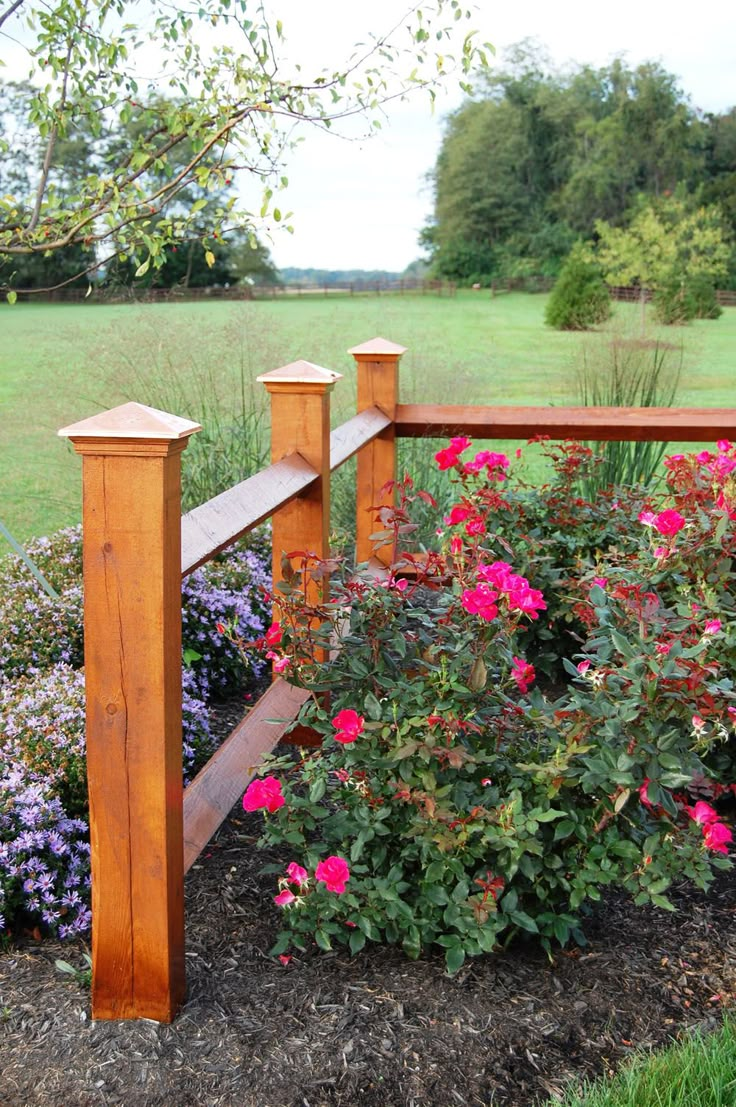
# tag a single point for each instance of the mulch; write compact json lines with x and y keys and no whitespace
{"x":375,"y":1030}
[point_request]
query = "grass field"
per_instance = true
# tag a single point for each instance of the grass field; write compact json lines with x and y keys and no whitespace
{"x":60,"y":363}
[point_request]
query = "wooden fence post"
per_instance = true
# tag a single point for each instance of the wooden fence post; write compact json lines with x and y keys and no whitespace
{"x":132,"y":628}
{"x":378,"y":385}
{"x":300,"y":423}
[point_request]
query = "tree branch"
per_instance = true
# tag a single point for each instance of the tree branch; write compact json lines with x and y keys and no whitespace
{"x":13,"y":7}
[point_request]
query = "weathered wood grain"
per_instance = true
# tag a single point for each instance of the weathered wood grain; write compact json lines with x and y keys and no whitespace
{"x":215,"y":525}
{"x":599,"y":424}
{"x":356,"y":434}
{"x":377,"y":363}
{"x":211,"y":795}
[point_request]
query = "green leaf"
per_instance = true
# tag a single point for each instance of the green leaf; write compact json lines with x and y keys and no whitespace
{"x":435,"y":871}
{"x":548,"y":815}
{"x":11,"y":296}
{"x":372,"y":707}
{"x":317,"y":790}
{"x":454,"y":959}
{"x":526,"y":922}
{"x":143,"y":267}
{"x":323,"y":940}
{"x":561,"y":931}
{"x":357,"y":941}
{"x":209,"y":257}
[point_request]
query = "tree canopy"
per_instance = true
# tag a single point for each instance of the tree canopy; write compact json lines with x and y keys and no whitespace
{"x":222,"y":102}
{"x":531,"y":162}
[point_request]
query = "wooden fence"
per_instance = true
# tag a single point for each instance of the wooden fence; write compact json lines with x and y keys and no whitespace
{"x":145,"y":831}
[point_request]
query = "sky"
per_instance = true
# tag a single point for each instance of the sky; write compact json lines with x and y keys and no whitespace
{"x":362,"y":204}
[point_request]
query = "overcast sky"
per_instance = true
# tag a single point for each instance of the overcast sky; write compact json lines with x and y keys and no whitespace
{"x":362,"y":204}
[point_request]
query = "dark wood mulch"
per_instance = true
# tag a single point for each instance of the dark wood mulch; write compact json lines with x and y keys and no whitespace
{"x":375,"y":1030}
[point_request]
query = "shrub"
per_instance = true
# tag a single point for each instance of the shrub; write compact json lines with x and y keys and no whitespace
{"x":452,"y":803}
{"x":579,"y":299}
{"x":44,"y":858}
{"x":39,"y":632}
{"x":43,"y":796}
{"x":233,"y":591}
{"x":684,"y":297}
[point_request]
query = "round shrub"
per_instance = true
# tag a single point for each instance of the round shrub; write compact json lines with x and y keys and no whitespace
{"x":44,"y":834}
{"x":579,"y":299}
{"x":42,"y":729}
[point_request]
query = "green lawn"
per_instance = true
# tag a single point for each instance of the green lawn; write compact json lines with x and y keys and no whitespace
{"x":60,"y":363}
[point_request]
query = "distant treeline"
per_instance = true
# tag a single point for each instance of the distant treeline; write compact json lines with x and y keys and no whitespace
{"x":536,"y":158}
{"x":342,"y":278}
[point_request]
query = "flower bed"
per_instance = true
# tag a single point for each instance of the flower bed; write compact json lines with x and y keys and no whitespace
{"x":44,"y":833}
{"x":453,"y":801}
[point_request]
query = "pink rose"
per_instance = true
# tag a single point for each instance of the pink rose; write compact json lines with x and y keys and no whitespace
{"x":446,"y":459}
{"x":669,"y":522}
{"x":648,"y":518}
{"x":457,"y":445}
{"x":716,"y":836}
{"x":265,"y":793}
{"x":333,"y":872}
{"x":296,"y":874}
{"x":349,"y":724}
{"x":480,"y":601}
{"x":475,"y":526}
{"x":274,"y":635}
{"x":283,"y":899}
{"x":702,"y":813}
{"x":527,"y":600}
{"x":723,"y":445}
{"x":712,"y":626}
{"x":280,"y":663}
{"x":458,"y":514}
{"x":523,"y":673}
{"x":582,"y":667}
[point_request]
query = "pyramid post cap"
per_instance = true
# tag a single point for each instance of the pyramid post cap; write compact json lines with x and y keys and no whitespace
{"x":300,"y":372}
{"x":132,"y":420}
{"x":377,"y":347}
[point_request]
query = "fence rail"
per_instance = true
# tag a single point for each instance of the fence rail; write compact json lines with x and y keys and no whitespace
{"x":145,"y":830}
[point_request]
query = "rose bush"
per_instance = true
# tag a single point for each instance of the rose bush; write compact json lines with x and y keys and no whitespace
{"x":465,"y":804}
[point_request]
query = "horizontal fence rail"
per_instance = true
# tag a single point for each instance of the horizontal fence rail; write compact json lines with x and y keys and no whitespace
{"x":598,"y":424}
{"x":146,"y":830}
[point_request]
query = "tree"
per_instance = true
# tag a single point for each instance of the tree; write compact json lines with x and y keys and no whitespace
{"x":227,"y":95}
{"x":666,"y":238}
{"x":529,"y":164}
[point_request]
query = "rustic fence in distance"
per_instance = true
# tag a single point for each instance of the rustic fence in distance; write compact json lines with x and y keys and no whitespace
{"x":146,"y":831}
